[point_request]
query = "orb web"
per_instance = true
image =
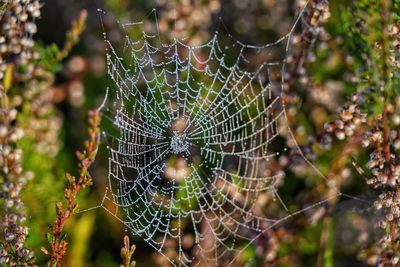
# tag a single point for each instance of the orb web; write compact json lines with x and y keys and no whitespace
{"x":194,"y":139}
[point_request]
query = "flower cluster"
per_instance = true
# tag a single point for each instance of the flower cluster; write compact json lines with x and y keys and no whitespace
{"x":394,"y":35}
{"x":350,"y":118}
{"x":17,"y":26}
{"x":16,"y":29}
{"x":320,"y":14}
{"x":384,"y":165}
{"x":383,"y":135}
{"x":13,"y":252}
{"x":194,"y":15}
{"x":44,"y":124}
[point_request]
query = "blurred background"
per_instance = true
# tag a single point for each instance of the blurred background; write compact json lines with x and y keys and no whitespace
{"x":320,"y":78}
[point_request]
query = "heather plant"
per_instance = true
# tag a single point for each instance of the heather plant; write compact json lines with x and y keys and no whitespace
{"x":335,"y":199}
{"x":30,"y":125}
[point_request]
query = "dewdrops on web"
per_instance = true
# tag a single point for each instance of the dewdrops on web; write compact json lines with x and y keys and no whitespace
{"x":194,"y":141}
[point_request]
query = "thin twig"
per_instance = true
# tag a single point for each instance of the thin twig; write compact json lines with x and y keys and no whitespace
{"x":56,"y":238}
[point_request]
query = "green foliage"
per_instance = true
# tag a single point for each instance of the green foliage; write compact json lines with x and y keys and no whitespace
{"x":351,"y":56}
{"x":49,"y":57}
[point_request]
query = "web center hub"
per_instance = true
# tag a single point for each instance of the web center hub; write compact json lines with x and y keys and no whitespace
{"x":178,"y":143}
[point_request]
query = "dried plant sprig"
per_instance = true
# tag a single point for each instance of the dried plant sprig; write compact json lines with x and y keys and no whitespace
{"x":55,"y":55}
{"x":126,"y":253}
{"x":77,"y":27}
{"x":56,"y":238}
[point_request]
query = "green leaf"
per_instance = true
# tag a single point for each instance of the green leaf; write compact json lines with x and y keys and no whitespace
{"x":50,"y":238}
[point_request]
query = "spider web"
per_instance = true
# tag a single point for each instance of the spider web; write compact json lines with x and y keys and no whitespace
{"x":194,"y":139}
